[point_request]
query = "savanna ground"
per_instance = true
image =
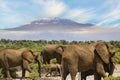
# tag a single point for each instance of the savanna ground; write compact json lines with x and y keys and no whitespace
{"x":115,"y":74}
{"x":39,"y":45}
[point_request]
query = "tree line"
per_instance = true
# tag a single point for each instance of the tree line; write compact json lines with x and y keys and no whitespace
{"x":39,"y":44}
{"x":7,"y":43}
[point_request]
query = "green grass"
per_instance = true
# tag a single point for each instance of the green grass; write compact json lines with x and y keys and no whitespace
{"x":112,"y":78}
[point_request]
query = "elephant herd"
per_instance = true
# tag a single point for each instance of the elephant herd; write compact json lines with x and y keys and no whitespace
{"x":92,"y":59}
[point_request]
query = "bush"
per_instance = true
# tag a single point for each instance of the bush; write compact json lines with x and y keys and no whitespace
{"x":117,"y":78}
{"x":110,"y":78}
{"x":33,"y":74}
{"x":1,"y":73}
{"x":53,"y":61}
{"x":117,"y":56}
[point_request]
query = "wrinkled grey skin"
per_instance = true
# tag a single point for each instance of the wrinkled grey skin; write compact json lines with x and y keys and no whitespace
{"x":53,"y":68}
{"x":80,"y":58}
{"x":49,"y":52}
{"x":21,"y":57}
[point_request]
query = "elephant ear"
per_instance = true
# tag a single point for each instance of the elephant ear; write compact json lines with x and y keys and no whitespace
{"x":102,"y":50}
{"x":35,"y":53}
{"x":60,"y":49}
{"x":28,"y":55}
{"x":111,"y":49}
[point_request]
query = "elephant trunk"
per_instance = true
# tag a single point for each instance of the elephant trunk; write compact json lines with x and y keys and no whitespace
{"x":111,"y":68}
{"x":39,"y":64}
{"x":39,"y":69}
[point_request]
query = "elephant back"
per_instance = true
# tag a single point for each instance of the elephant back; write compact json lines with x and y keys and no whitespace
{"x":50,"y":48}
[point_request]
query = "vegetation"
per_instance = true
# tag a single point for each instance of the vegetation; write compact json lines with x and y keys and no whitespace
{"x":112,"y":78}
{"x":38,"y":46}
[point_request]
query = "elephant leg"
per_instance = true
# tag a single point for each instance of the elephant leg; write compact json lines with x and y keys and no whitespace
{"x":23,"y":72}
{"x":39,"y":65}
{"x":6,"y":67}
{"x":56,"y":70}
{"x":73,"y":71}
{"x":8,"y":73}
{"x":83,"y":76}
{"x":97,"y":76}
{"x":47,"y":74}
{"x":47,"y":60}
{"x":39,"y":69}
{"x":26,"y":66}
{"x":100,"y":70}
{"x":51,"y":73}
{"x":64,"y":71}
{"x":64,"y":75}
{"x":59,"y":71}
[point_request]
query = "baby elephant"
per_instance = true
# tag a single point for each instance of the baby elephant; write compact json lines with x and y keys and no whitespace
{"x":56,"y":68}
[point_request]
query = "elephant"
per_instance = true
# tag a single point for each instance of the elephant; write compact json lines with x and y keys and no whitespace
{"x":53,"y":68}
{"x":18,"y":57}
{"x":49,"y":52}
{"x":108,"y":68}
{"x":81,"y":58}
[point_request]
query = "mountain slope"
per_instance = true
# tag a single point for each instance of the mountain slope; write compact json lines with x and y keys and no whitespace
{"x":51,"y":24}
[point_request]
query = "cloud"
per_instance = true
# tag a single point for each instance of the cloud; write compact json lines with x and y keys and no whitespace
{"x":112,"y":15}
{"x":4,"y":6}
{"x":80,"y":14}
{"x":51,"y":8}
{"x":8,"y":16}
{"x":93,"y":33}
{"x":16,"y":13}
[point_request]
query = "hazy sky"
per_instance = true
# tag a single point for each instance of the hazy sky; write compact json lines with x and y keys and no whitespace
{"x":105,"y":13}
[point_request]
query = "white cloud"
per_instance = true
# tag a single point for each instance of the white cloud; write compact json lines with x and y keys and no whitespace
{"x":4,"y":6}
{"x":93,"y":33}
{"x":51,"y":8}
{"x":112,"y":15}
{"x":80,"y":14}
{"x":8,"y":16}
{"x":115,"y":25}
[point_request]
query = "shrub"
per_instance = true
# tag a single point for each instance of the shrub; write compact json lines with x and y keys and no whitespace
{"x":117,"y":78}
{"x":53,"y":61}
{"x":1,"y":73}
{"x":117,"y":56}
{"x":110,"y":78}
{"x":33,"y":74}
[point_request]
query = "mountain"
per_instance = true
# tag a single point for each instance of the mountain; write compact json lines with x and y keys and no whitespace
{"x":60,"y":29}
{"x":51,"y":24}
